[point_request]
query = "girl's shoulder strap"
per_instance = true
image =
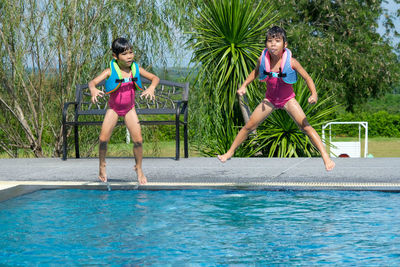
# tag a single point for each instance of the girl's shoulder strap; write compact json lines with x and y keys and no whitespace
{"x":289,"y":53}
{"x":264,"y":60}
{"x":264,"y":65}
{"x":135,"y":69}
{"x":111,"y":84}
{"x":286,"y":59}
{"x":115,"y":68}
{"x":136,"y":75}
{"x":263,"y":53}
{"x":291,"y":74}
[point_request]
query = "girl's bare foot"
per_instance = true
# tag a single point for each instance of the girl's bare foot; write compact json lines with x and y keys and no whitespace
{"x":102,"y":173}
{"x":141,"y":178}
{"x":329,"y":165}
{"x":223,"y":158}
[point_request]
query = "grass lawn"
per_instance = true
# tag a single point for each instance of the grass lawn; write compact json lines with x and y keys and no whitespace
{"x":379,"y":147}
{"x":384,"y":147}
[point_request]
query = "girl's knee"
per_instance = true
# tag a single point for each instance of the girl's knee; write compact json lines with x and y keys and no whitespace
{"x":304,"y":125}
{"x":103,"y":145}
{"x":137,"y":142}
{"x":249,"y":127}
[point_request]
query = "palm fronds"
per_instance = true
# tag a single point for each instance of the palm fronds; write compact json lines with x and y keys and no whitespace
{"x":227,"y":40}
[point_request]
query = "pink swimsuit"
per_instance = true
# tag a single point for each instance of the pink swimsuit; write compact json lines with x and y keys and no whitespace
{"x":123,"y":99}
{"x":278,"y":92}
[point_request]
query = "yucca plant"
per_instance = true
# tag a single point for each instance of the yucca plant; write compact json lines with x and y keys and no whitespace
{"x":279,"y":135}
{"x":227,"y":39}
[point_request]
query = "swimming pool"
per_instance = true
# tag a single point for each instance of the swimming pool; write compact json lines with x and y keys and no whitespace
{"x":200,"y":227}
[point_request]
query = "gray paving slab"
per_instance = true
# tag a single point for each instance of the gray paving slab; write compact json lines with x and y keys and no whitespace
{"x":207,"y":170}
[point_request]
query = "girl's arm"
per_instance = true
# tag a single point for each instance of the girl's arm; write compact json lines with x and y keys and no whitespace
{"x":149,"y":92}
{"x":310,"y":83}
{"x":252,"y":76}
{"x":92,"y":85}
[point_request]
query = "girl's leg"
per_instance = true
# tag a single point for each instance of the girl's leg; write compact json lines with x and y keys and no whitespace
{"x":109,"y":122}
{"x":133,"y":125}
{"x":259,"y":114}
{"x":296,"y":112}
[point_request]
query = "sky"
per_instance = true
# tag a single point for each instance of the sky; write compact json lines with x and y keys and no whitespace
{"x":392,"y":7}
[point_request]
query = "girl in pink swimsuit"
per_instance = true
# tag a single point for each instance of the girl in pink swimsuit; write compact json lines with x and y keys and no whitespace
{"x":122,"y":103}
{"x":279,"y":70}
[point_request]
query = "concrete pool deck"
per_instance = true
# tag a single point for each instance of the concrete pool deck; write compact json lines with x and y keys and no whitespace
{"x":19,"y":176}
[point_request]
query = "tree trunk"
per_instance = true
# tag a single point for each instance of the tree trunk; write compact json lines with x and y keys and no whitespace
{"x":244,"y":108}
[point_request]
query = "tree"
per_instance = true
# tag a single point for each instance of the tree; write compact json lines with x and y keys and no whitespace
{"x":338,"y":41}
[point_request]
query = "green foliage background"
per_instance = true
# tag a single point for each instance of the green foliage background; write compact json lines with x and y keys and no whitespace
{"x":380,"y":123}
{"x":49,"y":46}
{"x":227,"y":41}
{"x":338,"y":41}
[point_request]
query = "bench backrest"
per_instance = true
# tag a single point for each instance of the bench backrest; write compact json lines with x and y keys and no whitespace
{"x":167,"y":95}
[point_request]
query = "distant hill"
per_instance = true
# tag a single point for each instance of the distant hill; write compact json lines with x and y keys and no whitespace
{"x":177,"y":74}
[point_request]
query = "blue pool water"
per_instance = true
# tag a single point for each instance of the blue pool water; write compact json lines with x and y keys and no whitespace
{"x":200,"y":227}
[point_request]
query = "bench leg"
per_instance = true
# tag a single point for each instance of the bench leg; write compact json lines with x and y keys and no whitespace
{"x":185,"y":132}
{"x":76,"y":142}
{"x":64,"y":134}
{"x":177,"y":139}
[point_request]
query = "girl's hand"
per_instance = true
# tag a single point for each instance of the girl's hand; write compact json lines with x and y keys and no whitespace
{"x":313,"y":99}
{"x":92,"y":85}
{"x":96,"y":93}
{"x":242,"y":90}
{"x":148,"y":93}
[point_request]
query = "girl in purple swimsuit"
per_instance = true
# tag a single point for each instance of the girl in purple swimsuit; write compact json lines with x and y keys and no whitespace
{"x":278,"y":69}
{"x":122,"y":103}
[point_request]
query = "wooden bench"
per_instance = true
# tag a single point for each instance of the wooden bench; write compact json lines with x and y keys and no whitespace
{"x":171,"y":99}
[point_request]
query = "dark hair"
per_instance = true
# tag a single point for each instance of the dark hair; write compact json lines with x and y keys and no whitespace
{"x":120,"y":45}
{"x":276,"y":32}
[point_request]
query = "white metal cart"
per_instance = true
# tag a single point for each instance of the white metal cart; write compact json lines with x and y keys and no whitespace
{"x":350,"y":148}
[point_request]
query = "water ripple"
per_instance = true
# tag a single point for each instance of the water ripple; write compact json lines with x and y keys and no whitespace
{"x":200,"y":227}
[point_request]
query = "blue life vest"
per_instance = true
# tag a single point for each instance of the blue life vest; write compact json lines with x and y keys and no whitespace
{"x":115,"y":80}
{"x":286,"y":72}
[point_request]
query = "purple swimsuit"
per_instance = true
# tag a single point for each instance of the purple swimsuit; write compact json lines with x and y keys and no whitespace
{"x":278,"y":92}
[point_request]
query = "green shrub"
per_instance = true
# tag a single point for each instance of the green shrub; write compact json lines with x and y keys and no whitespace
{"x":389,"y":102}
